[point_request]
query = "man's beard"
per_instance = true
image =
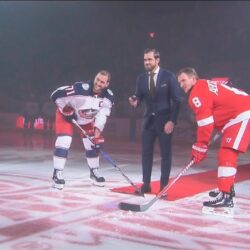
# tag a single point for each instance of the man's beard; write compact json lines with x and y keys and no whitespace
{"x":149,"y":68}
{"x":97,"y":90}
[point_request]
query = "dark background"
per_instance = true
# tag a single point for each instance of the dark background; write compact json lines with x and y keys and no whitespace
{"x":47,"y":44}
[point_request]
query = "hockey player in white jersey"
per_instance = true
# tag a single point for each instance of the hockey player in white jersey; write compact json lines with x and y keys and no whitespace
{"x":89,"y":103}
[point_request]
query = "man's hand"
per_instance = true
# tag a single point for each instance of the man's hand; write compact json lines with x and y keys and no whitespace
{"x":199,"y":151}
{"x":169,"y":127}
{"x":133,"y":101}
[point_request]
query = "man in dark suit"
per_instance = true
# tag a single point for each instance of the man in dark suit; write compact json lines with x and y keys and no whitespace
{"x":160,"y":91}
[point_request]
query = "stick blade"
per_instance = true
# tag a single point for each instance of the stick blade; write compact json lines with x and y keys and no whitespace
{"x":129,"y":207}
{"x":137,"y":207}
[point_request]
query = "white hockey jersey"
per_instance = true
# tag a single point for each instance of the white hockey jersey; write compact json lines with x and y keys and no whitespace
{"x":88,"y":106}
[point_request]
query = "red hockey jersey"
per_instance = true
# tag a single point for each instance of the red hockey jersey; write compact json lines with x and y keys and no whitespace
{"x":218,"y":106}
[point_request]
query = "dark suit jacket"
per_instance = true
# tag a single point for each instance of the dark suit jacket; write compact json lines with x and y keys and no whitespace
{"x":165,"y":105}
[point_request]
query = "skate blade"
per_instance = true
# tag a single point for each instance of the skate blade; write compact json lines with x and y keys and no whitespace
{"x":98,"y":184}
{"x":221,"y":211}
{"x":58,"y":186}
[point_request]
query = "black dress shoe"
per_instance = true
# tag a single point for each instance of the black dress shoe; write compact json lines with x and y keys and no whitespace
{"x":145,"y":188}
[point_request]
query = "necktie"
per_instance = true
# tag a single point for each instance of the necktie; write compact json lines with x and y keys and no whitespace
{"x":152,"y":84}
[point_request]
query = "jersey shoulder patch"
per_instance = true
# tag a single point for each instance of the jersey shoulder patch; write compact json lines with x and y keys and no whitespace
{"x":82,"y":88}
{"x":108,"y":93}
{"x":85,"y":86}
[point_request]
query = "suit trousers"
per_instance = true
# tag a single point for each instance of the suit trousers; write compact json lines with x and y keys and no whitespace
{"x":149,"y":135}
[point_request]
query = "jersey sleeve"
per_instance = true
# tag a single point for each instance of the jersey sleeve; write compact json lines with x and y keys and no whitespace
{"x":58,"y":93}
{"x":78,"y":88}
{"x":64,"y":95}
{"x":201,"y":102}
{"x":105,"y":110}
{"x":59,"y":97}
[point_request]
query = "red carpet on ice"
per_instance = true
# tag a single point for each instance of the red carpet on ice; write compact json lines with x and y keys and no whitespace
{"x":192,"y":184}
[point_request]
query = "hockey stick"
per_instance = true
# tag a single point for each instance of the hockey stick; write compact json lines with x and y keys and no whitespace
{"x":142,"y":207}
{"x":109,"y":159}
{"x":145,"y":206}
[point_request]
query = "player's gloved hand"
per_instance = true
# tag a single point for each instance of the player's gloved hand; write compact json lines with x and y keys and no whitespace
{"x":69,"y":113}
{"x":68,"y":110}
{"x":98,"y":142}
{"x":69,"y":118}
{"x":90,"y":132}
{"x":199,"y":152}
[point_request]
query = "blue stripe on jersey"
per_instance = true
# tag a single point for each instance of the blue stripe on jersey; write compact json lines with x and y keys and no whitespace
{"x":91,"y":153}
{"x":61,"y":152}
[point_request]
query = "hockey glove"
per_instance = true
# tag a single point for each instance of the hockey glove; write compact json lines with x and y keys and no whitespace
{"x":98,"y":141}
{"x":199,"y":152}
{"x":69,"y":118}
{"x":68,"y":110}
{"x":69,"y":113}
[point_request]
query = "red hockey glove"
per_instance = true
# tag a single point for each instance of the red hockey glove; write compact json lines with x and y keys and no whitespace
{"x":90,"y":132}
{"x":98,"y":141}
{"x":199,"y":152}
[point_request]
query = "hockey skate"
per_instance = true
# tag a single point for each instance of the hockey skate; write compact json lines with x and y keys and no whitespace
{"x":58,"y":179}
{"x":96,"y":179}
{"x":221,"y":205}
{"x":214,"y":193}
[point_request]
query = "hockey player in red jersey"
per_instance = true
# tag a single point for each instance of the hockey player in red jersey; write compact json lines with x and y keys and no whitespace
{"x":226,"y":109}
{"x":89,"y":104}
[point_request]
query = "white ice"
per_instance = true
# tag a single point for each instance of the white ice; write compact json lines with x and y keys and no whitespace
{"x":81,"y":216}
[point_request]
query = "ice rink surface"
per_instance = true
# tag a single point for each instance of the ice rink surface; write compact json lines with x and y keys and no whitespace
{"x":34,"y":216}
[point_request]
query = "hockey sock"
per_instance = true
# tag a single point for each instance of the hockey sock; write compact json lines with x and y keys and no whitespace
{"x":227,"y":169}
{"x":62,"y":146}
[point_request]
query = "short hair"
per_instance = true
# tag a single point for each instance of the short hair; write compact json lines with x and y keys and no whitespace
{"x":105,"y":73}
{"x":189,"y":71}
{"x":156,"y":52}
